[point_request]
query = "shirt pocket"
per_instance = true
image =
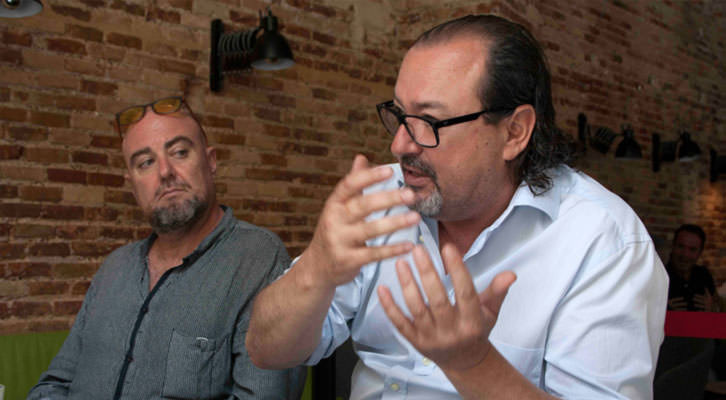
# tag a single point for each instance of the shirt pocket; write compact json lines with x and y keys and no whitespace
{"x":196,"y":367}
{"x":528,"y":361}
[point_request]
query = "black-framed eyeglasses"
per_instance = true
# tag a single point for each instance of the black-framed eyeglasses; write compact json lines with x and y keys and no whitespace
{"x":423,"y":130}
{"x":129,"y":115}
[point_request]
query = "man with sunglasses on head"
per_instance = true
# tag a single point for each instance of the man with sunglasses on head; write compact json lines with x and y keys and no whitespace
{"x":417,"y":262}
{"x":166,"y":317}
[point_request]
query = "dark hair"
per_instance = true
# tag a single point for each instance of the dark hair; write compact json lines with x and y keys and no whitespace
{"x":518,"y":74}
{"x":691,"y":228}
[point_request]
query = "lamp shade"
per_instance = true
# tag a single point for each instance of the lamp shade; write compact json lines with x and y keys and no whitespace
{"x":20,"y":8}
{"x":628,"y":147}
{"x":272,"y":52}
{"x":689,"y":150}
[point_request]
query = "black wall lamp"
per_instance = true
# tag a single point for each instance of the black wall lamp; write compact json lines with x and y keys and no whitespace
{"x":604,"y":137}
{"x":684,"y":149}
{"x":20,"y":8}
{"x":718,"y":165}
{"x":237,"y":51}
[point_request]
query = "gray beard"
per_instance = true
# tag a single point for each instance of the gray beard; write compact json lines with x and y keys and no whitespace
{"x":429,"y":206}
{"x":177,"y":215}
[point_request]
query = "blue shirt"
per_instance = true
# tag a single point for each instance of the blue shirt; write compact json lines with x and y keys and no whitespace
{"x":583,"y":320}
{"x":185,"y":339}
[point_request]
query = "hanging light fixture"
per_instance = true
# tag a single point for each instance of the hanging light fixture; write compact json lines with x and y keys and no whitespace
{"x":238,"y":51}
{"x":20,"y":8}
{"x":684,"y":149}
{"x":604,"y":137}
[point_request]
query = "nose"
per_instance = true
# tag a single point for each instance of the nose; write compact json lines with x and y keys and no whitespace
{"x":403,"y":143}
{"x":166,"y":170}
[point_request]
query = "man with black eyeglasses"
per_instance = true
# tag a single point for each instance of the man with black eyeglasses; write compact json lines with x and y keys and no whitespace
{"x":417,"y":261}
{"x":166,"y":317}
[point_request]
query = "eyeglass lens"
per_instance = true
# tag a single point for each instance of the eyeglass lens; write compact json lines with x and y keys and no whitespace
{"x":163,"y":106}
{"x":420,"y":130}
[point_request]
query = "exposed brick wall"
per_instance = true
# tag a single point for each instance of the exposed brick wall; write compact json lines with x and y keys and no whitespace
{"x":284,"y":138}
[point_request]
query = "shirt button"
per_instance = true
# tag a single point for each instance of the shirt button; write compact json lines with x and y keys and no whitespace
{"x":426,"y":361}
{"x":420,"y":239}
{"x":395,"y":387}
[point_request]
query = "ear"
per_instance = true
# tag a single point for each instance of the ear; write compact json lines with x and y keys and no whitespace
{"x":519,"y":127}
{"x":212,"y":159}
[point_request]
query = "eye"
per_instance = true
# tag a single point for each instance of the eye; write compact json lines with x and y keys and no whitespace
{"x":144,"y":164}
{"x":180,"y":153}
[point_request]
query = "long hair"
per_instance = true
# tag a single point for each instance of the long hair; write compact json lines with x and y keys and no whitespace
{"x":517,"y":75}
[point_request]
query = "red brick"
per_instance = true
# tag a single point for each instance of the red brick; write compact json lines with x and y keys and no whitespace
{"x":10,"y":251}
{"x":134,"y":9}
{"x":10,"y":152}
{"x":62,"y":212}
{"x":67,"y":46}
{"x":72,"y":12}
{"x":324,"y":94}
{"x":118,"y":39}
{"x":180,"y":67}
{"x":122,"y":197}
{"x":86,"y":157}
{"x":50,"y":119}
{"x":105,"y":179}
{"x":28,"y":269}
{"x":40,"y":288}
{"x":19,"y":210}
{"x":85,"y":33}
{"x":273,"y":159}
{"x":28,"y":134}
{"x":101,"y":88}
{"x":80,"y":288}
{"x":101,"y":214}
{"x":265,"y":205}
{"x":66,"y":175}
{"x":106,"y":142}
{"x":4,"y":231}
{"x":94,"y":3}
{"x":74,"y":270}
{"x":77,"y":232}
{"x":267,"y":114}
{"x":49,"y":249}
{"x":117,"y":233}
{"x":13,"y":114}
{"x":11,"y":56}
{"x":41,"y":193}
{"x":8,"y":191}
{"x":67,"y":307}
{"x":231,"y":138}
{"x":323,"y":38}
{"x":29,"y":308}
{"x":92,"y":249}
{"x":33,"y":231}
{"x":75,"y":103}
{"x":183,"y":4}
{"x":49,"y":325}
{"x":158,"y":14}
{"x":282,"y":101}
{"x":4,"y":311}
{"x":16,"y":38}
{"x":46,"y":155}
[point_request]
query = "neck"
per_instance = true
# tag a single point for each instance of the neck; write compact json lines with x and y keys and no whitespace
{"x":463,"y":232}
{"x":170,"y":248}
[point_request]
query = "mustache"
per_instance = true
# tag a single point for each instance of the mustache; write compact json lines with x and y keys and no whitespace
{"x":415,"y":162}
{"x":170,"y":184}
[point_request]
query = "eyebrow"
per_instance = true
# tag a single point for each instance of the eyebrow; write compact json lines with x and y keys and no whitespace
{"x":435,"y":105}
{"x":167,"y":145}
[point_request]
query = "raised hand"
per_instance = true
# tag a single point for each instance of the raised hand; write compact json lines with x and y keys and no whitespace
{"x":338,"y":249}
{"x":704,"y":302}
{"x":454,"y":336}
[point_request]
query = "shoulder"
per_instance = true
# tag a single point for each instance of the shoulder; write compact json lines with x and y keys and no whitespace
{"x":590,"y":207}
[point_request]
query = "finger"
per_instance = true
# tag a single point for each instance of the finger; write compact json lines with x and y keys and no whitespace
{"x":412,"y":295}
{"x":434,"y":289}
{"x":493,"y":296}
{"x":359,"y":177}
{"x":371,"y":229}
{"x":467,"y":301}
{"x":366,"y":255}
{"x":358,"y":207}
{"x":395,"y":314}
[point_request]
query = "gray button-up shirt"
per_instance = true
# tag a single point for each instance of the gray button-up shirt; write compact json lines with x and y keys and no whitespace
{"x":184,"y":339}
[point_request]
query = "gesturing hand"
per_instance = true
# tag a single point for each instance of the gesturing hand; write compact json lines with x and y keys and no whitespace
{"x":338,"y":249}
{"x":454,"y":336}
{"x":677,"y":304}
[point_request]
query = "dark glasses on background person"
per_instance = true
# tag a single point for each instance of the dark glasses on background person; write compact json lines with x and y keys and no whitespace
{"x":130,"y":115}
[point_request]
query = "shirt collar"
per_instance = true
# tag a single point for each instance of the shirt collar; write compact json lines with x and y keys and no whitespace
{"x":224,"y":225}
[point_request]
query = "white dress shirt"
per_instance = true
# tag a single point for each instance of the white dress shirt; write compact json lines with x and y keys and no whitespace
{"x":583,"y":320}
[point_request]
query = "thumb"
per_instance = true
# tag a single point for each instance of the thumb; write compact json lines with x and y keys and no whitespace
{"x":493,"y":296}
